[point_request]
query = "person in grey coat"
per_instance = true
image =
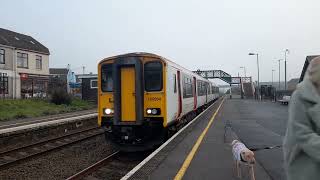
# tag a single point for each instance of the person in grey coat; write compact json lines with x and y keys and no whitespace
{"x":302,"y":140}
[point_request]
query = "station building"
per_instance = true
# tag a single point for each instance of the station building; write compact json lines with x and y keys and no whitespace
{"x":24,"y":62}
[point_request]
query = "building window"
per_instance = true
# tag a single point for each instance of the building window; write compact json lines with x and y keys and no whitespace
{"x":3,"y":84}
{"x":2,"y":59}
{"x":22,"y":60}
{"x":153,"y":76}
{"x":93,"y":84}
{"x":39,"y":62}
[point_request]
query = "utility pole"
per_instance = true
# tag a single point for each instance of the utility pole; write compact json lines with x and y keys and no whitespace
{"x":285,"y":68}
{"x":279,"y":73}
{"x":252,"y":54}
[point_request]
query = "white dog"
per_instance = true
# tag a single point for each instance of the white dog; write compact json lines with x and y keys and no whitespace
{"x":242,"y":155}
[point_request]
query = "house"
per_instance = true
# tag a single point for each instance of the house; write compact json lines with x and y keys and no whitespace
{"x":25,"y":61}
{"x":89,"y":86}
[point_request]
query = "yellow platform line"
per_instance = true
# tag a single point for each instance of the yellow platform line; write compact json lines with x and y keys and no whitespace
{"x":190,"y":156}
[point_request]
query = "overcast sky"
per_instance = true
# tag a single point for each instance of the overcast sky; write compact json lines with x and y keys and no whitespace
{"x":197,"y":34}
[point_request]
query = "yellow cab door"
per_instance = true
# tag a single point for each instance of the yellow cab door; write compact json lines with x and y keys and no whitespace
{"x":128,"y":95}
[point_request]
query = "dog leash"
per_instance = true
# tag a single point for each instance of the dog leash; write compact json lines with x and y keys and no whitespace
{"x":270,"y":147}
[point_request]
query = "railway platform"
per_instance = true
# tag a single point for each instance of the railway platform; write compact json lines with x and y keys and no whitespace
{"x":28,"y":121}
{"x":202,"y":150}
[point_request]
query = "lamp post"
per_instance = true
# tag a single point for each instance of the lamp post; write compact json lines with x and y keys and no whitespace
{"x":279,"y":72}
{"x":272,"y":77}
{"x":285,"y":68}
{"x":256,"y":54}
{"x":244,"y":69}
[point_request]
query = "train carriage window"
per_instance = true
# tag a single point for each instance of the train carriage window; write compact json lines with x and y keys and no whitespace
{"x":153,"y":76}
{"x":106,"y":78}
{"x":199,"y":88}
{"x":187,"y":87}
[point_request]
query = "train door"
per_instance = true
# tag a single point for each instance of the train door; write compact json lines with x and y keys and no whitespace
{"x":179,"y":93}
{"x":195,"y":93}
{"x":128,"y":98}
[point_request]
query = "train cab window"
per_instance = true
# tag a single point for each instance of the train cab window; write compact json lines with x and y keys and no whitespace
{"x":153,"y":76}
{"x":106,"y":78}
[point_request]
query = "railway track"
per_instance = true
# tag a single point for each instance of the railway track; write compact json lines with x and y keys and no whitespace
{"x":111,"y":167}
{"x":13,"y":156}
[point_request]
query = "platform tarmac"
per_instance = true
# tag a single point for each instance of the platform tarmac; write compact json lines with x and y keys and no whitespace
{"x":259,"y":124}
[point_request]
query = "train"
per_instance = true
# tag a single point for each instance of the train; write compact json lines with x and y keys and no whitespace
{"x":144,"y":98}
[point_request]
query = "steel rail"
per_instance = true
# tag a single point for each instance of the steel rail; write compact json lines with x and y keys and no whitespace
{"x":34,"y":146}
{"x":92,"y":168}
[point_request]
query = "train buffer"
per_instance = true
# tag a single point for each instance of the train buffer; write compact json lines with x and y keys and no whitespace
{"x":202,"y":150}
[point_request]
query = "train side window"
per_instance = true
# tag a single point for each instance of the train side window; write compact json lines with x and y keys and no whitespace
{"x":153,"y":76}
{"x":187,"y":88}
{"x":106,"y":78}
{"x":174,"y":83}
{"x":199,"y":88}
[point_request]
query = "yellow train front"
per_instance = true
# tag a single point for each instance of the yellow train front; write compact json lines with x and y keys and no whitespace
{"x":144,"y":98}
{"x":131,"y":107}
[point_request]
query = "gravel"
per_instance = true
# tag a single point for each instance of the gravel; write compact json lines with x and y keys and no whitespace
{"x":61,"y":164}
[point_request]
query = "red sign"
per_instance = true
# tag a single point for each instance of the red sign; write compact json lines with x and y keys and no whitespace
{"x":24,"y":76}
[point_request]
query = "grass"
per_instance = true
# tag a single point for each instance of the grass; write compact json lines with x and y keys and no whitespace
{"x":27,"y":108}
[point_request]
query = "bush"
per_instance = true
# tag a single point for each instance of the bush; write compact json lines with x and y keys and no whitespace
{"x":60,"y":96}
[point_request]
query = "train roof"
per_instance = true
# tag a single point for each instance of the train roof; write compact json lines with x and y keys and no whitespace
{"x":169,"y":62}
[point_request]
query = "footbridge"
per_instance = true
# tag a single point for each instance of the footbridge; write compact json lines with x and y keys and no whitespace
{"x":245,"y":83}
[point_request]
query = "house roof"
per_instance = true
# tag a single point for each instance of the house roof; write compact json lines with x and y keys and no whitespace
{"x":306,"y":64}
{"x":21,"y":41}
{"x":59,"y":71}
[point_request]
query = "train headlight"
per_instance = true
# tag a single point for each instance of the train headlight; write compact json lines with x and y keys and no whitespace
{"x":108,"y":111}
{"x":153,"y":111}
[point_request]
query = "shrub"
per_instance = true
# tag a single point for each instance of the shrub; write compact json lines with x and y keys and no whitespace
{"x":60,"y":96}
